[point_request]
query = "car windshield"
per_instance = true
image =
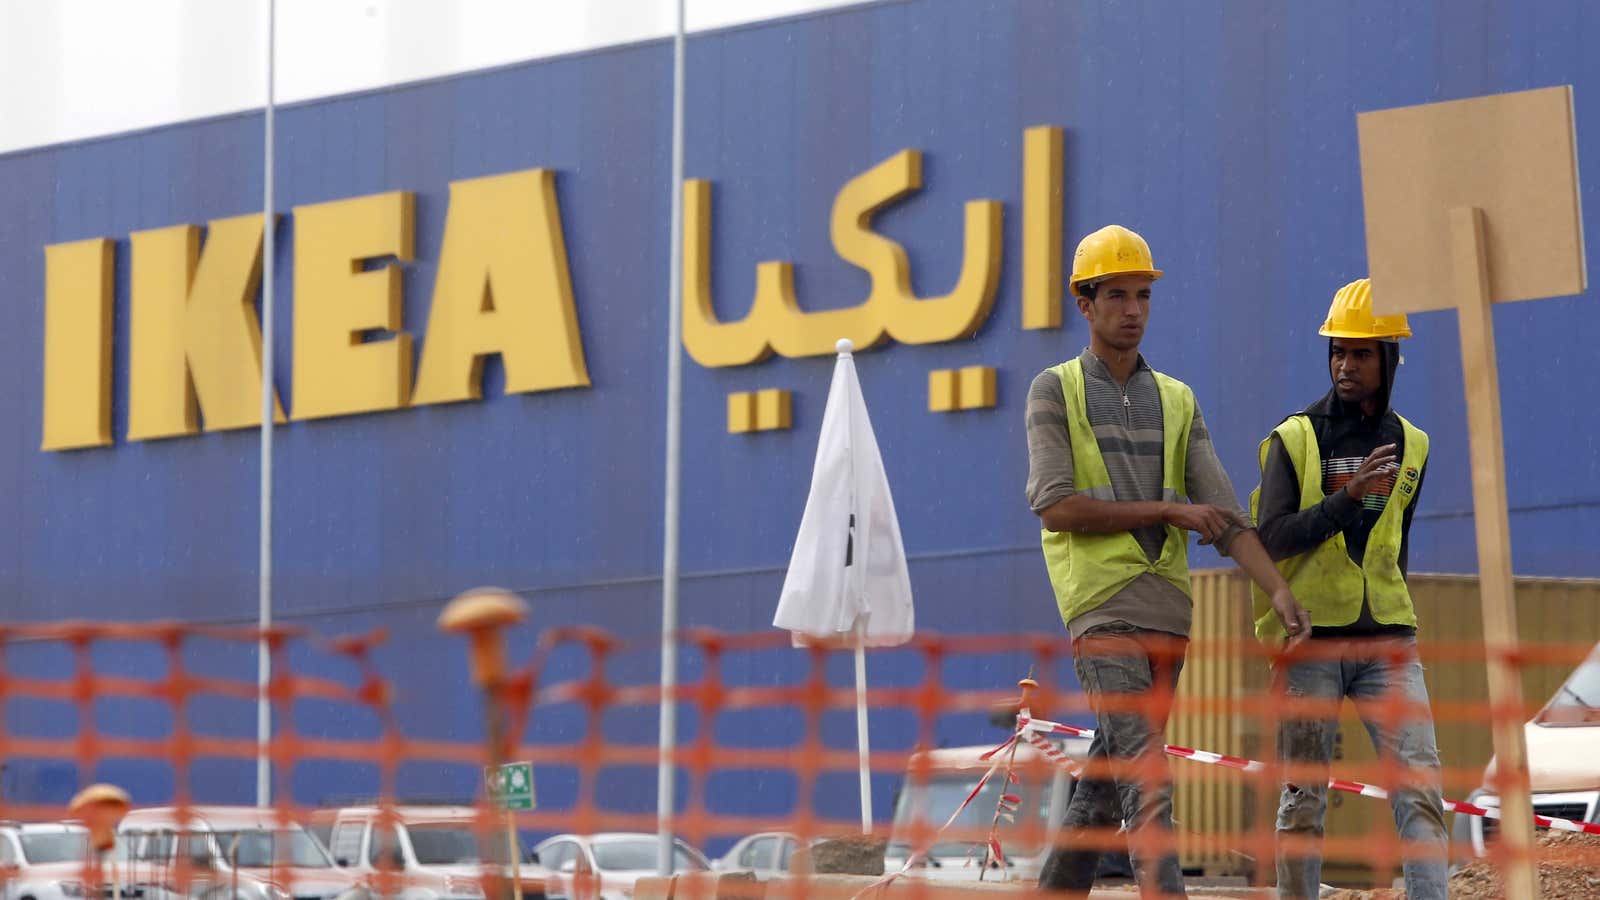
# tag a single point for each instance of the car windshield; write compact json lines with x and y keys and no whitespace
{"x":262,"y":849}
{"x":935,"y":803}
{"x":58,"y":847}
{"x":1577,"y":702}
{"x":636,"y":854}
{"x":443,"y":844}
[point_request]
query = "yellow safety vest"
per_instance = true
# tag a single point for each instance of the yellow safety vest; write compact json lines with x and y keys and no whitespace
{"x":1086,"y":570}
{"x":1326,"y":581}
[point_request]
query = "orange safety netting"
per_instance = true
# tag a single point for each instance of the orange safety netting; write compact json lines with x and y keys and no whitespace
{"x":937,"y":685}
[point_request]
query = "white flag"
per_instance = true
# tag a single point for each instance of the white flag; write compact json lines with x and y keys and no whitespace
{"x":848,"y":562}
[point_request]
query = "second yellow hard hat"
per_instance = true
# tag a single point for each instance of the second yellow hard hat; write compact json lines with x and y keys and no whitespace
{"x":1351,"y":316}
{"x":1113,"y":250}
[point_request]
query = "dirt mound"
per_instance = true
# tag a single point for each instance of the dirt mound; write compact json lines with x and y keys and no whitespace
{"x":1569,"y":869}
{"x":1569,"y":866}
{"x":852,"y":854}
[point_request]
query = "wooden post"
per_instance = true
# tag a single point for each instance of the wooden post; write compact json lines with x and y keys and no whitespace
{"x":482,"y":615}
{"x":1482,"y":376}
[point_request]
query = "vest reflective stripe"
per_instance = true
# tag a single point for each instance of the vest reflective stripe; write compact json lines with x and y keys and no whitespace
{"x":1086,"y":570}
{"x":1326,"y":581}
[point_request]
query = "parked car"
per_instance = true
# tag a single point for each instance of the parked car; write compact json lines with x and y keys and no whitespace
{"x":435,"y":848}
{"x":1563,"y":766}
{"x":616,"y":859}
{"x":233,"y":853}
{"x":953,"y":773}
{"x":42,"y":861}
{"x":764,"y":854}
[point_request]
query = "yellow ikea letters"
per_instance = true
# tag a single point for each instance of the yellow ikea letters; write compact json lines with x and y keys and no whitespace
{"x":77,"y":344}
{"x":193,"y":329}
{"x":502,"y":287}
{"x":1041,"y":227}
{"x":194,"y":355}
{"x":335,"y":371}
{"x":892,"y":309}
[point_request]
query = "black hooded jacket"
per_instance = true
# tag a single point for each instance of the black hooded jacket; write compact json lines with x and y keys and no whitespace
{"x":1344,"y":437}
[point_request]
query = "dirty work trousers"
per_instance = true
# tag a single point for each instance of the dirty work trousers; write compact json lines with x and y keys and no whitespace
{"x":1369,"y":671}
{"x":1117,"y":663}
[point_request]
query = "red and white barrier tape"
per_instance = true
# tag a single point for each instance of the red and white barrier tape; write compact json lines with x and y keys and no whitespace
{"x":1034,"y":729}
{"x":918,"y":854}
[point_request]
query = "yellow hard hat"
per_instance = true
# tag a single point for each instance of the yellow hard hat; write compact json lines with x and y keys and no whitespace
{"x":1351,"y":316}
{"x":1113,"y":250}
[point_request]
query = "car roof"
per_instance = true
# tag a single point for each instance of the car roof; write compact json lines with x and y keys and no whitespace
{"x":607,"y":837}
{"x":410,"y":814}
{"x":45,"y":827}
{"x":216,"y":818}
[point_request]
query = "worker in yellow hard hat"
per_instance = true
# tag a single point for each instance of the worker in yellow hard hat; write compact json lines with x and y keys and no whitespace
{"x":1339,"y":485}
{"x":1120,"y":469}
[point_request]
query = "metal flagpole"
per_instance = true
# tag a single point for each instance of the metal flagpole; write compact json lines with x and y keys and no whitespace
{"x":863,"y":751}
{"x":666,"y":774}
{"x":268,"y":407}
{"x":862,"y":748}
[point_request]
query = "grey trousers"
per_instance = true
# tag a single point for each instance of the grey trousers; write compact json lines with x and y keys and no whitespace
{"x":1116,"y":662}
{"x":1364,"y":669}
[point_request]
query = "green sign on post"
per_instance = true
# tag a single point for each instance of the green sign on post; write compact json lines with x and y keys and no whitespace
{"x":511,"y":786}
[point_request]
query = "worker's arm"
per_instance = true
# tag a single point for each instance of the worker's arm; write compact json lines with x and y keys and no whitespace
{"x":1049,"y":447}
{"x":1061,"y":508}
{"x":1210,"y":488}
{"x":1209,"y":484}
{"x":1286,"y":529}
{"x":1082,"y":513}
{"x":1252,"y":557}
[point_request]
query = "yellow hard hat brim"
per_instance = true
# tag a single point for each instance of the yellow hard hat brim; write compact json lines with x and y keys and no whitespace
{"x":1338,"y":333}
{"x":1153,"y":274}
{"x":1342,"y":333}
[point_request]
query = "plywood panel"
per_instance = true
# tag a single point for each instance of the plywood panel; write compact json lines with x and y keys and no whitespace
{"x":1512,"y":156}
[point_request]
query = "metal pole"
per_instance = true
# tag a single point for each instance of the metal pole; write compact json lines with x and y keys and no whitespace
{"x":665,"y":774}
{"x":268,"y":407}
{"x":862,"y":749}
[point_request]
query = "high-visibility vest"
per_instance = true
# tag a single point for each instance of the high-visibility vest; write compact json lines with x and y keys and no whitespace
{"x":1087,"y":569}
{"x":1326,"y":581}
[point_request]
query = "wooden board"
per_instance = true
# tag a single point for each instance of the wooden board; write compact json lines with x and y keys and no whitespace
{"x":1514,"y":156}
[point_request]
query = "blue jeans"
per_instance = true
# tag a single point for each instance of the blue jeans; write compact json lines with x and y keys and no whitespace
{"x":1364,"y":669}
{"x":1120,"y":661}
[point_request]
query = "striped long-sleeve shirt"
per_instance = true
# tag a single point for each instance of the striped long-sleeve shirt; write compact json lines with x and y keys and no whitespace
{"x":1128,"y":426}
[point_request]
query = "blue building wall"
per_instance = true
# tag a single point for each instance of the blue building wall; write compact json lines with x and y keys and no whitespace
{"x":1225,"y":133}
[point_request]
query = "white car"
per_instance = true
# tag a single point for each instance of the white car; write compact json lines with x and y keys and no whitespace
{"x":434,"y":850}
{"x":765,"y":854}
{"x":43,"y":862}
{"x":232,"y":853}
{"x":615,"y":859}
{"x":952,"y":774}
{"x":1563,"y":768}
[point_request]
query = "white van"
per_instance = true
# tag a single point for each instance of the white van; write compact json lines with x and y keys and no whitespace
{"x":233,"y":853}
{"x":1563,"y":764}
{"x":40,"y":861}
{"x":435,"y":849}
{"x":952,"y":774}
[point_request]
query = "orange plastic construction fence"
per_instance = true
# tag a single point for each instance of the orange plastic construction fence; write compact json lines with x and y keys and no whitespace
{"x":796,"y":780}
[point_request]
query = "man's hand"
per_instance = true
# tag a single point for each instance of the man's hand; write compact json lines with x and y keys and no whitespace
{"x":1292,"y":616}
{"x":1378,"y":465}
{"x":1206,"y":520}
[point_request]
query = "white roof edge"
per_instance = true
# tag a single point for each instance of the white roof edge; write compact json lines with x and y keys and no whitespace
{"x":72,"y":73}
